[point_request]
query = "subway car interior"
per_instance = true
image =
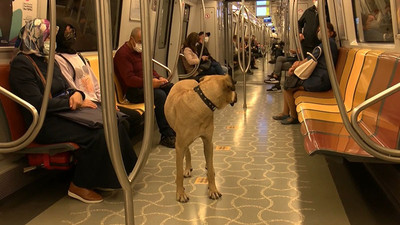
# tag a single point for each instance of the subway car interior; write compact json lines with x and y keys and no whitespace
{"x":285,"y":150}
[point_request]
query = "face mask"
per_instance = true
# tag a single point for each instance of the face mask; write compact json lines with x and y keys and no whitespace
{"x":316,"y":4}
{"x":138,"y":48}
{"x":206,"y":39}
{"x":319,"y":35}
{"x":46,"y":47}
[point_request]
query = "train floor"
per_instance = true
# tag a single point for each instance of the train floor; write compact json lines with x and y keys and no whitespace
{"x":261,"y":168}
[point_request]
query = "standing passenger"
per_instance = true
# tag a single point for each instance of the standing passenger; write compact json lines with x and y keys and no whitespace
{"x":129,"y":71}
{"x":308,"y":25}
{"x":93,"y":168}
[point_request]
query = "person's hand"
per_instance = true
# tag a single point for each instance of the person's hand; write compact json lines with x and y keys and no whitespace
{"x":204,"y":58}
{"x":116,"y":108}
{"x":75,"y":101}
{"x":301,"y":37}
{"x":88,"y":104}
{"x":163,"y":80}
{"x":291,"y":71}
{"x":157,"y":83}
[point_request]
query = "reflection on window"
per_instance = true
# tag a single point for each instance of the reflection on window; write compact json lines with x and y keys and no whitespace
{"x":82,"y":15}
{"x":373,"y":21}
{"x":398,"y":13}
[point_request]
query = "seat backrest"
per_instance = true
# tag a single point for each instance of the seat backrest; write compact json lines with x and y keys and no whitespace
{"x":344,"y":77}
{"x":14,"y":119}
{"x":343,"y":52}
{"x":381,"y":121}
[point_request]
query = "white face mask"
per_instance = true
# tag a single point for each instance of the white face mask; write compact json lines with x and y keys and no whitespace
{"x":319,"y":35}
{"x":46,"y":47}
{"x":206,"y":39}
{"x":138,"y":48}
{"x":316,"y":4}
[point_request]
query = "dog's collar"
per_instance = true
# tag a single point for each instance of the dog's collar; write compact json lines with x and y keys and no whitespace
{"x":204,"y":98}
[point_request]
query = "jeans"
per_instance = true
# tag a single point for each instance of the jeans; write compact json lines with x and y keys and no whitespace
{"x":135,"y":95}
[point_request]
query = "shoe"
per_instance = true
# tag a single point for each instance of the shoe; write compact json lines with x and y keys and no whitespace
{"x":168,"y":142}
{"x":290,"y":120}
{"x":83,"y":194}
{"x":280,"y":117}
{"x":249,"y":72}
{"x":271,"y":80}
{"x":254,"y":68}
{"x":275,"y":89}
{"x":271,"y":61}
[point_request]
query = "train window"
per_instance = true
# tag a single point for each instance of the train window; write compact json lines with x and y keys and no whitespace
{"x":82,"y":15}
{"x":373,"y":21}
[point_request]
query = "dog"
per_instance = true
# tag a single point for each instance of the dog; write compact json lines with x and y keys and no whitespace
{"x":189,"y":110}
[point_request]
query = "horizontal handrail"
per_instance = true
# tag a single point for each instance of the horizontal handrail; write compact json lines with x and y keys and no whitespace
{"x":165,"y":67}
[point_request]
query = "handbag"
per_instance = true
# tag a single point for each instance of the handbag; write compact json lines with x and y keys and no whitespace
{"x":292,"y":82}
{"x":205,"y":65}
{"x":305,"y":70}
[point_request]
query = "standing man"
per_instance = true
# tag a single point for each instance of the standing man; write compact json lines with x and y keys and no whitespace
{"x":129,"y":71}
{"x":308,"y":25}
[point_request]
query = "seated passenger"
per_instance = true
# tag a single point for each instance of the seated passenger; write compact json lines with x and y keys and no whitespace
{"x":282,"y":63}
{"x":93,"y":168}
{"x":80,"y":75}
{"x":318,"y":81}
{"x":129,"y":71}
{"x":214,"y":62}
{"x":191,"y":59}
{"x":238,"y":45}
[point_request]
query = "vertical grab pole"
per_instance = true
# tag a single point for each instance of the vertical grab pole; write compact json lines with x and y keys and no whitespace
{"x":295,"y":26}
{"x":178,"y":47}
{"x":148,"y":91}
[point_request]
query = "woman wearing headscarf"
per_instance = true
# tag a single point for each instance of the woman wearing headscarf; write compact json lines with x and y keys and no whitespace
{"x":93,"y":168}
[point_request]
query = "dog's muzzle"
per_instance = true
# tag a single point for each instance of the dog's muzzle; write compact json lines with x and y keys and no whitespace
{"x":234,"y":99}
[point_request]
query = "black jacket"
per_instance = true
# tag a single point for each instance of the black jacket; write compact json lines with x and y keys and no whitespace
{"x":308,"y":25}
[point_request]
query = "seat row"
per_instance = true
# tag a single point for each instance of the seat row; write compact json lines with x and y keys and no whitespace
{"x":361,"y":73}
{"x":51,"y":156}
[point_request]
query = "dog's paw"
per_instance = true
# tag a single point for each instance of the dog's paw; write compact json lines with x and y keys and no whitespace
{"x":214,"y":194}
{"x":182,"y":197}
{"x":187,"y":173}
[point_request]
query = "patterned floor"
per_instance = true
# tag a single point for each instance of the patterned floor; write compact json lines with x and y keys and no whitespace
{"x":261,"y":170}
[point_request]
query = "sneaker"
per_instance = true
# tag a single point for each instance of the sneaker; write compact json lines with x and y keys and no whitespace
{"x":271,"y":80}
{"x":83,"y":194}
{"x":275,"y":89}
{"x":168,"y":142}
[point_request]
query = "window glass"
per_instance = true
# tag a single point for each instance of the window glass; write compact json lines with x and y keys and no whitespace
{"x":398,"y":13}
{"x":82,"y":15}
{"x":373,"y":20}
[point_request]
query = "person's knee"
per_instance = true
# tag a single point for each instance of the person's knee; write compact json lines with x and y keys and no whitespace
{"x":159,"y":96}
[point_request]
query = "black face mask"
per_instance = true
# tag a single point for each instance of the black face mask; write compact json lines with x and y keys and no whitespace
{"x":69,"y":39}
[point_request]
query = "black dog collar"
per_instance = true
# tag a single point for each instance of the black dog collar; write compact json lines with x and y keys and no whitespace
{"x":204,"y":98}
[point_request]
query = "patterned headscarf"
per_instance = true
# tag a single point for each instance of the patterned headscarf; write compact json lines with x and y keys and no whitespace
{"x":32,"y":36}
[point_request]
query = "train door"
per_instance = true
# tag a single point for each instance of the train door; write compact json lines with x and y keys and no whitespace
{"x":162,"y":34}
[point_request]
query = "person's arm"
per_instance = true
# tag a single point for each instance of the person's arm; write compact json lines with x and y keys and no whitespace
{"x":126,"y":71}
{"x":26,"y":84}
{"x":190,"y":56}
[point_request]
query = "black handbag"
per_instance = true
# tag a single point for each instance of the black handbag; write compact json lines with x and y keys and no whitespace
{"x":88,"y":117}
{"x":292,"y":82}
{"x":205,"y":65}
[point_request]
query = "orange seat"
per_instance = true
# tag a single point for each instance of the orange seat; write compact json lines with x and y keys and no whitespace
{"x":322,"y":125}
{"x":53,"y":156}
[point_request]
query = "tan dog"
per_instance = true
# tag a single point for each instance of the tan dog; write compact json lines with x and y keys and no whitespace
{"x":191,"y":116}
